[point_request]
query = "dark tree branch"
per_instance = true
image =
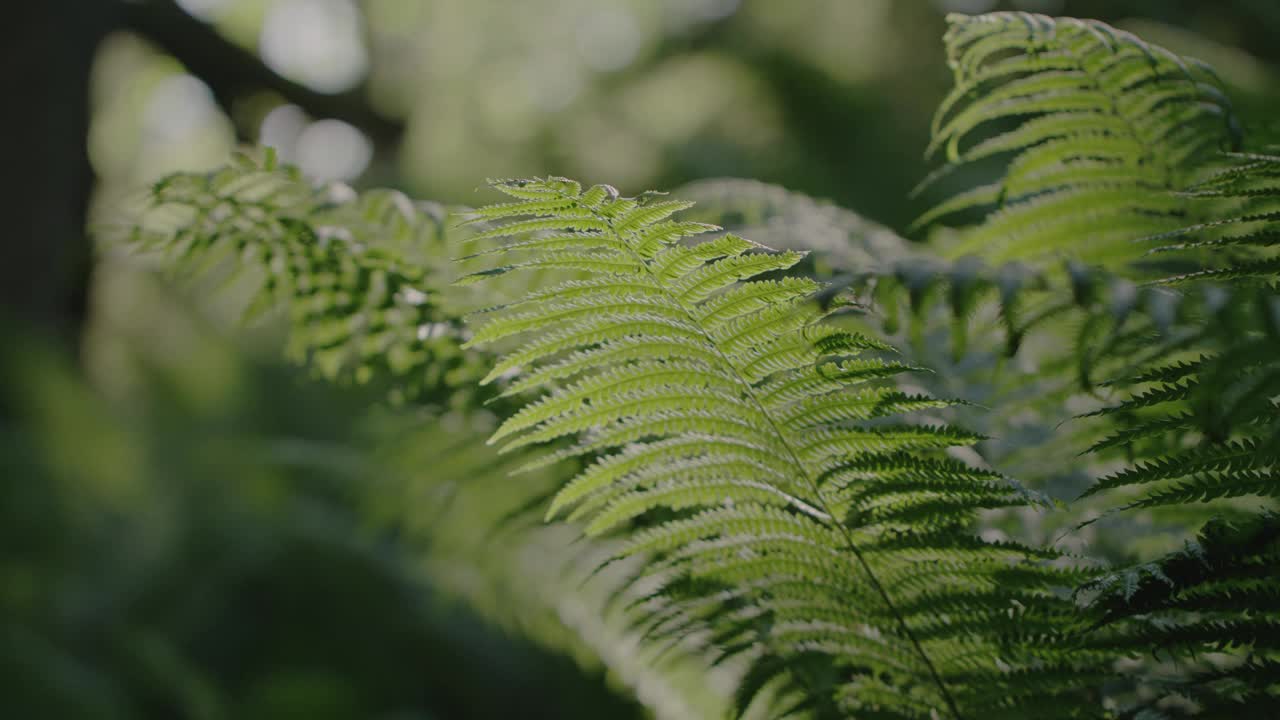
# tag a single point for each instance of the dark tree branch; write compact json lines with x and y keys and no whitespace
{"x":231,"y":71}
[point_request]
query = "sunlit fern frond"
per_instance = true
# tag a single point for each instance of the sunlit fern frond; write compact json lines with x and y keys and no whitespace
{"x":747,"y":448}
{"x":1098,"y":130}
{"x":1237,"y":239}
{"x":991,"y":335}
{"x":337,"y":261}
{"x":966,"y":319}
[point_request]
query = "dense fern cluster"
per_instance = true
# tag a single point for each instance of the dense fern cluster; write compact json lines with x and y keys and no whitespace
{"x":767,"y":487}
{"x":1206,"y":433}
{"x":1192,"y":352}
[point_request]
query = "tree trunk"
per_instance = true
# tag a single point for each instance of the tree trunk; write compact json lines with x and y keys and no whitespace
{"x":45,"y":178}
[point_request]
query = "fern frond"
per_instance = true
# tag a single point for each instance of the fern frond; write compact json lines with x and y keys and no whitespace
{"x":1099,"y":128}
{"x":1206,"y":436}
{"x":1238,"y":241}
{"x":752,"y":460}
{"x":1219,"y":592}
{"x":335,"y":260}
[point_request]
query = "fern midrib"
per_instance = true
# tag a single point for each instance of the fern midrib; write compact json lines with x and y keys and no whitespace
{"x":819,"y":502}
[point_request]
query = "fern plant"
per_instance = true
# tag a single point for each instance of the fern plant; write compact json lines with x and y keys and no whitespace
{"x":1192,"y":352}
{"x":746,"y":444}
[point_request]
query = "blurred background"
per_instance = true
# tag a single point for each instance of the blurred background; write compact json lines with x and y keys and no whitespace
{"x":829,"y":97}
{"x":153,"y":563}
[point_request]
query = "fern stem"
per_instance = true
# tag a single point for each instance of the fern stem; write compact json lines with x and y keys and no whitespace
{"x":820,"y":505}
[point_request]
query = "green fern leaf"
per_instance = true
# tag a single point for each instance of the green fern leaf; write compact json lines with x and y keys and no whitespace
{"x":334,"y":260}
{"x":1095,"y":122}
{"x":738,"y":439}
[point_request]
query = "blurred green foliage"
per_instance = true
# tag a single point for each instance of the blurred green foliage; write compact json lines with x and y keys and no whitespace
{"x":189,"y":531}
{"x":194,"y":533}
{"x":827,"y":97}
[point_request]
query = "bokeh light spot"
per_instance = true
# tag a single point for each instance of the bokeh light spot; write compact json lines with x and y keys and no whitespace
{"x":179,"y":105}
{"x":609,"y":38}
{"x":204,"y":9}
{"x":333,"y":150}
{"x":281,"y":129}
{"x":315,"y":42}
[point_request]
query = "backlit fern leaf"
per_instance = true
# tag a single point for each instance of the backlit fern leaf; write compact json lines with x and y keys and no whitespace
{"x":1099,"y":127}
{"x":1238,"y":241}
{"x":741,"y":442}
{"x":1199,"y":420}
{"x":359,"y":309}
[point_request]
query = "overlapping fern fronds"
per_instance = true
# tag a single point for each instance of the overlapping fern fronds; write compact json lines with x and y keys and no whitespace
{"x":992,"y":334}
{"x":1095,"y":137}
{"x":1206,"y":617}
{"x":1110,"y":147}
{"x":1205,"y":432}
{"x":1206,"y":425}
{"x":1099,"y":128}
{"x":317,"y":254}
{"x":1237,"y":241}
{"x":763,"y":489}
{"x":1220,"y":403}
{"x":341,"y":263}
{"x":746,"y":446}
{"x":903,"y":281}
